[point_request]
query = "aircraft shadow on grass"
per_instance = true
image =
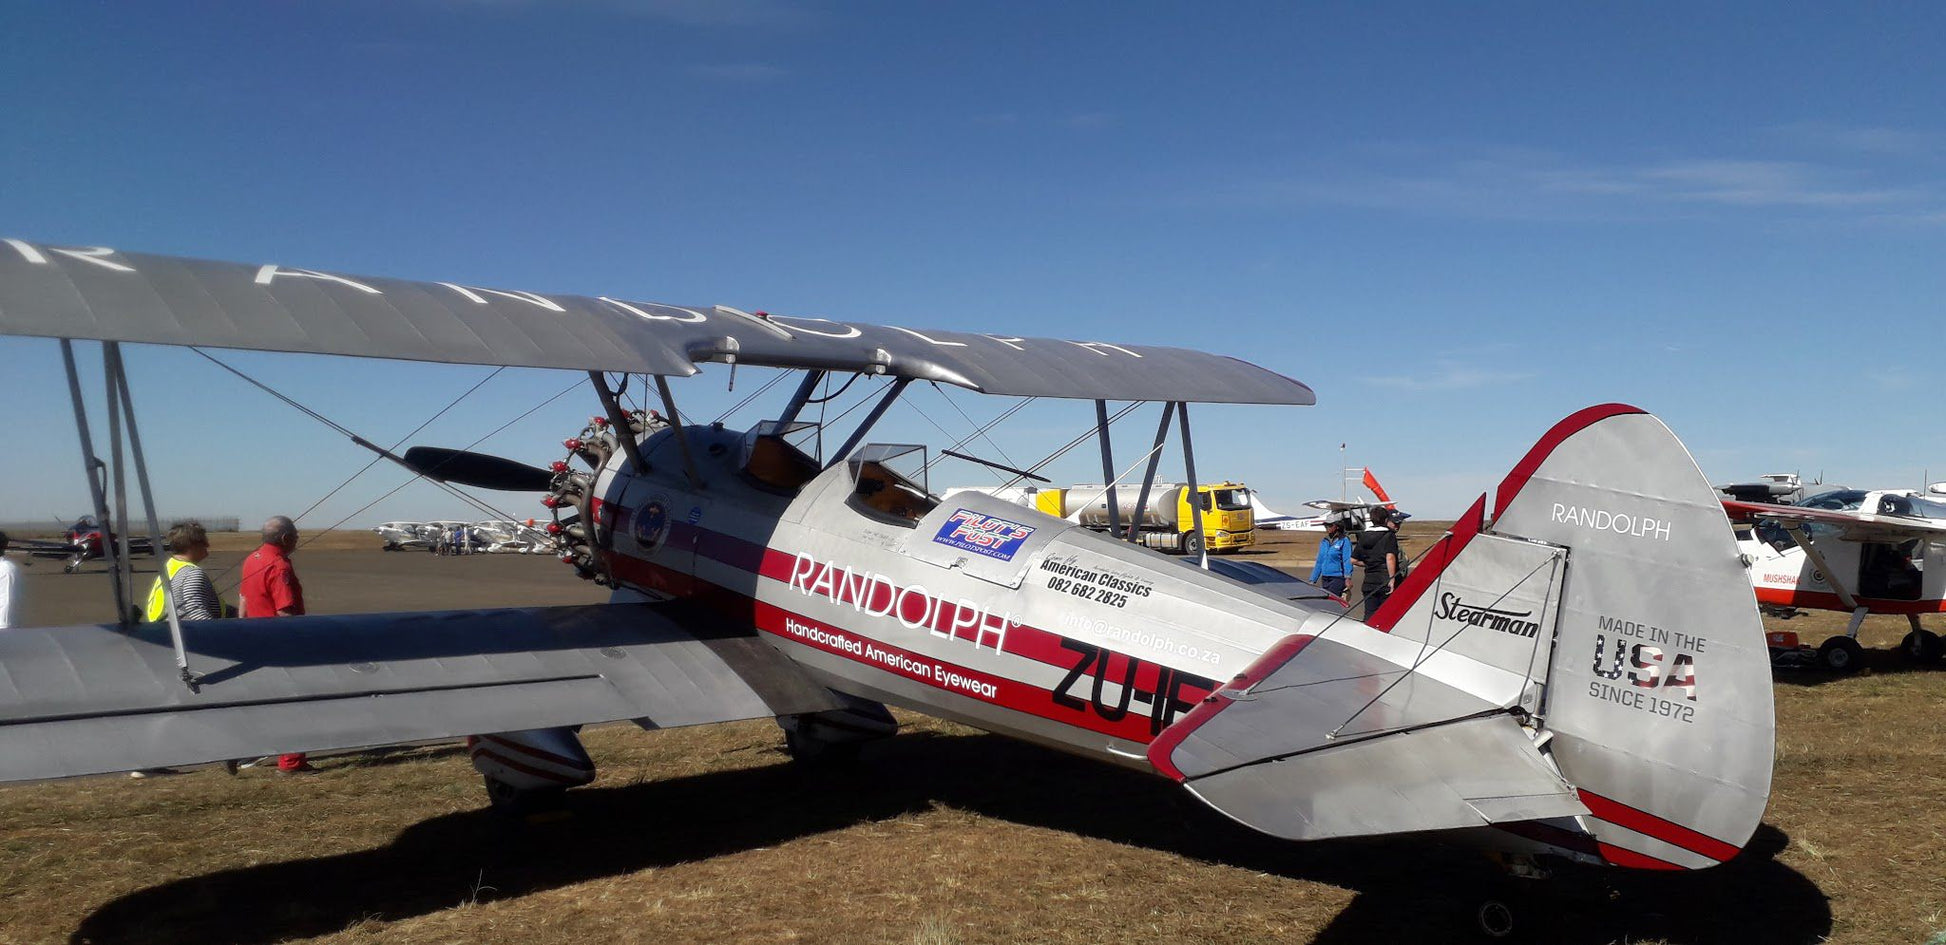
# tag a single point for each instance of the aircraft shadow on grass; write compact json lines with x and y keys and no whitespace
{"x":1407,"y":891}
{"x":1874,"y":662}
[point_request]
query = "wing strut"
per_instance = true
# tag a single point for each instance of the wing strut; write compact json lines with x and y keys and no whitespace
{"x":1802,"y":535}
{"x":618,"y":421}
{"x":871,"y":419}
{"x":1155,"y":459}
{"x":1108,"y":469}
{"x":121,"y":404}
{"x":1189,"y":472}
{"x":682,"y":435}
{"x":96,"y":488}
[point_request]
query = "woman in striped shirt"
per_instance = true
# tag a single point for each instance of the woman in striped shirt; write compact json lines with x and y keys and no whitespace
{"x":189,"y":585}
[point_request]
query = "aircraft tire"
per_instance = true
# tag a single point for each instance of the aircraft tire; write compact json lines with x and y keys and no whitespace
{"x":1841,"y":655}
{"x":1923,"y":646}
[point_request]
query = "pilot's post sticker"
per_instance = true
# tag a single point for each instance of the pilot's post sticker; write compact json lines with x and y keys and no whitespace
{"x":986,"y":535}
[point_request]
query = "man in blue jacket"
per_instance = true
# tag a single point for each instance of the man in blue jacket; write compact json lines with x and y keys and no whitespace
{"x":1333,"y":570}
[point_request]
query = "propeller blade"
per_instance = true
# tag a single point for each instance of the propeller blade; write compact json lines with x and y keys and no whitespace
{"x":479,"y":470}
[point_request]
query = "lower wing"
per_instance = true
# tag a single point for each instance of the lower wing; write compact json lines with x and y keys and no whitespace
{"x":93,"y":699}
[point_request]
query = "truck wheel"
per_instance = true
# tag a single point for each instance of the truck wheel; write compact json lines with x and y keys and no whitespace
{"x":1192,"y":544}
{"x":1923,"y":646}
{"x":1841,"y":654}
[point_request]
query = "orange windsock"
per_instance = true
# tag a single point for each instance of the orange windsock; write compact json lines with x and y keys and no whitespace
{"x":1371,"y":482}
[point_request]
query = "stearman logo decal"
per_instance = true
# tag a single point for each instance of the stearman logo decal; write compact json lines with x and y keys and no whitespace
{"x":985,"y":535}
{"x":1515,"y":622}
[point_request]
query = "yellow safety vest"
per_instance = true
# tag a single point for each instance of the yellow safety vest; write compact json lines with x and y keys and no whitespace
{"x":158,"y":604}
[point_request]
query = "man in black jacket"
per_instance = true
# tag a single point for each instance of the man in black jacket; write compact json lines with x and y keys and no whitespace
{"x":1378,"y":551}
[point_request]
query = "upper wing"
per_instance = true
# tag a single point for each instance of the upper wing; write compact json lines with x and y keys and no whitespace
{"x":1852,"y":525}
{"x":99,"y":293}
{"x":94,"y":699}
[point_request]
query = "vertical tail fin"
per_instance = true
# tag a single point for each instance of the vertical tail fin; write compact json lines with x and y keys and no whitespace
{"x":1607,"y":595}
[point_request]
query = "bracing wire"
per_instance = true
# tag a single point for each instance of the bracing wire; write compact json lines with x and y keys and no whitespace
{"x":454,"y":491}
{"x":979,"y":430}
{"x":745,"y":402}
{"x":1077,"y":441}
{"x":401,"y":442}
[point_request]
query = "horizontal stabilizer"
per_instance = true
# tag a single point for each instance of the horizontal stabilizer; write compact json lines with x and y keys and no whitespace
{"x":1333,"y":737}
{"x":320,"y":683}
{"x":1469,"y":773}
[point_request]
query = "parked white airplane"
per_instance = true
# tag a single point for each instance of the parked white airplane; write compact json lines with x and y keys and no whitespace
{"x":404,"y":536}
{"x":1854,"y":551}
{"x":1351,"y":513}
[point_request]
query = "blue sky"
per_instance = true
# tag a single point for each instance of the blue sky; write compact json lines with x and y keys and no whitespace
{"x":1458,"y":222}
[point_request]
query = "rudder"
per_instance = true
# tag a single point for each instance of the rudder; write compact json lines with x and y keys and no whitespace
{"x":1657,"y":687}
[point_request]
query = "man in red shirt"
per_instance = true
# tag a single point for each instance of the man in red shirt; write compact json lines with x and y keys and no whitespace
{"x":270,"y":589}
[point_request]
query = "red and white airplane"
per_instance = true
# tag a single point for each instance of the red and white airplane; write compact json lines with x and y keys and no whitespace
{"x":1352,"y":514}
{"x":1578,"y":676}
{"x":1856,"y":551}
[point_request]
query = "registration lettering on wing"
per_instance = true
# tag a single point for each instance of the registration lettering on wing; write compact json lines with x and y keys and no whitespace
{"x":981,"y":534}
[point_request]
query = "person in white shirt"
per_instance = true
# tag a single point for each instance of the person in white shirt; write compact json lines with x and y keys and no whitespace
{"x":9,"y":588}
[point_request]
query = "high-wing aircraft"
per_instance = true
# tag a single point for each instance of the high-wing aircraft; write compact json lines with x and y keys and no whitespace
{"x":1352,"y":514}
{"x":404,"y":536}
{"x":1576,"y":671}
{"x":83,"y":541}
{"x":1854,"y":551}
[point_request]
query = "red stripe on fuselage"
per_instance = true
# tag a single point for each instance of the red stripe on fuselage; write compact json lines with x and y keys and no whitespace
{"x":1825,"y":600}
{"x":1132,"y":725}
{"x":964,"y":620}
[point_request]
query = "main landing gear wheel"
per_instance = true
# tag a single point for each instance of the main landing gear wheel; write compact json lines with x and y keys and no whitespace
{"x":1841,"y":654}
{"x":1923,"y":646}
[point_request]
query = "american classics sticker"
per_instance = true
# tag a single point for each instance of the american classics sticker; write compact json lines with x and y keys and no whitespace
{"x":985,"y":535}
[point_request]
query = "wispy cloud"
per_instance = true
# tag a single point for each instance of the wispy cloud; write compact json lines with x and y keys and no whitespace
{"x":1528,"y":184}
{"x":721,"y":13}
{"x":739,"y":71}
{"x":1897,"y":142}
{"x":1446,"y":374}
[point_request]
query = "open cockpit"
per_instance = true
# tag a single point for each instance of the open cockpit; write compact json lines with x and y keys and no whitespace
{"x":889,"y":482}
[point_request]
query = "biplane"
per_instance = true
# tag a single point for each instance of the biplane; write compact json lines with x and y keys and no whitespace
{"x":1576,"y":671}
{"x":83,"y":541}
{"x":1855,"y":551}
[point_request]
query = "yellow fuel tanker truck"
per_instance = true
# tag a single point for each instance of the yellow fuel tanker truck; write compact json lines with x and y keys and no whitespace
{"x":1165,"y":523}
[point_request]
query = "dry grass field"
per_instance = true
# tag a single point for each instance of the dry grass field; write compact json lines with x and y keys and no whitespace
{"x":940,"y":836}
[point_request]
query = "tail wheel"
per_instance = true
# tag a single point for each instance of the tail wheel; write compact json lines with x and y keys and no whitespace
{"x":1923,"y":646}
{"x":1841,"y":654}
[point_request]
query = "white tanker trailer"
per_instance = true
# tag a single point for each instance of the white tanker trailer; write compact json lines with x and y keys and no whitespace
{"x":1166,"y":522}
